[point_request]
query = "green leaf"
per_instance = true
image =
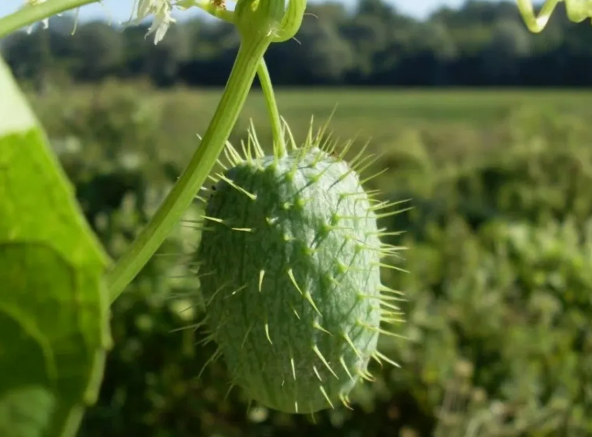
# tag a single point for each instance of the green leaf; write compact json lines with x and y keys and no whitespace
{"x":54,"y":328}
{"x":26,"y":411}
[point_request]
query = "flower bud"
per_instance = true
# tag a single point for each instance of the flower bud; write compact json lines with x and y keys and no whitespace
{"x":578,"y":10}
{"x":269,"y":18}
{"x":260,"y":18}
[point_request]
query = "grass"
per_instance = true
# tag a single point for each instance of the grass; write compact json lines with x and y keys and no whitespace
{"x":403,"y":106}
{"x":454,"y":119}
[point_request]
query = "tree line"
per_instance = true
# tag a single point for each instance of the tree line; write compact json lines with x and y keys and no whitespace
{"x":478,"y":44}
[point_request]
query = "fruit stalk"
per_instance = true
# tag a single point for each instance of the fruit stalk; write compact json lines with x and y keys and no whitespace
{"x":279,"y":145}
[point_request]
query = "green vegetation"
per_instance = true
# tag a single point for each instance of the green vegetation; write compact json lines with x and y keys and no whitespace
{"x":499,"y":257}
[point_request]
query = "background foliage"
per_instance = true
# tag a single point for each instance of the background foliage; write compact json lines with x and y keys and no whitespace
{"x":498,"y":292}
{"x":500,"y":237}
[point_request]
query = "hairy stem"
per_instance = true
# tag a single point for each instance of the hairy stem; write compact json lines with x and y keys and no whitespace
{"x":33,"y":14}
{"x":279,"y":146}
{"x":170,"y":212}
{"x":210,"y":7}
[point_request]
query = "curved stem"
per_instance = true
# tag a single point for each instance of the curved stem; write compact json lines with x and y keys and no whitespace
{"x":279,"y":146}
{"x":578,"y":11}
{"x":536,"y":23}
{"x":33,"y":14}
{"x":170,"y":212}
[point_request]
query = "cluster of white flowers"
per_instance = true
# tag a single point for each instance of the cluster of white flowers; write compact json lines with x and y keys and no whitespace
{"x":35,"y":3}
{"x":161,"y":10}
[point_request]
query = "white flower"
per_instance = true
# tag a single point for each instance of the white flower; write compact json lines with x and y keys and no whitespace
{"x":161,"y":9}
{"x":35,"y":3}
{"x":45,"y":21}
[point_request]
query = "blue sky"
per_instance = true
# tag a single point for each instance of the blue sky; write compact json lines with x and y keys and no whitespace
{"x":120,"y":9}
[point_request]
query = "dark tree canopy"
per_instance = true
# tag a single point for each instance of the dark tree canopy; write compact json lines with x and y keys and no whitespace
{"x":481,"y":43}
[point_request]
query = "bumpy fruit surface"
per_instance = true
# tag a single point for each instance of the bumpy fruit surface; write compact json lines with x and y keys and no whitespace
{"x":293,"y":297}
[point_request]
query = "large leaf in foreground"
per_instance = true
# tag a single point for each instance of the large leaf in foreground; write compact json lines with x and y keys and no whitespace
{"x":53,"y":307}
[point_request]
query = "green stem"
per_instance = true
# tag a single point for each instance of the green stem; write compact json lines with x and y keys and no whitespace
{"x":209,"y":7}
{"x":32,"y":14}
{"x":535,"y":23}
{"x":183,"y":193}
{"x":279,"y":146}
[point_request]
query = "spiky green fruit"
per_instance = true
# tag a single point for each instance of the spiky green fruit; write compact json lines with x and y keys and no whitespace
{"x":292,"y":284}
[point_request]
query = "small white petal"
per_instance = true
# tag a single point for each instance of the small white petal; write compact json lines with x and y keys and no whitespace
{"x":29,"y":3}
{"x":161,"y":9}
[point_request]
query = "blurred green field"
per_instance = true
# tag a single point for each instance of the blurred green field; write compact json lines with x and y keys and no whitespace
{"x":382,"y":108}
{"x":499,"y":289}
{"x":372,"y":110}
{"x":461,"y":119}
